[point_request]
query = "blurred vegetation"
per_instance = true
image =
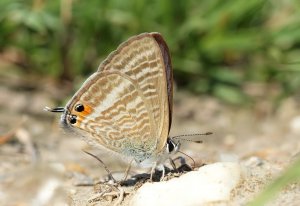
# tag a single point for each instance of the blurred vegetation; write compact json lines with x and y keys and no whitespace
{"x":218,"y":47}
{"x":289,"y":177}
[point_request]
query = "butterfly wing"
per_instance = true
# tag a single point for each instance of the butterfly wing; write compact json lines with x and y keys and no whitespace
{"x":128,"y":101}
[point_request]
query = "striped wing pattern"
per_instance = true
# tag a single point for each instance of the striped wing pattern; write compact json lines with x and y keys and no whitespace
{"x":127,"y":100}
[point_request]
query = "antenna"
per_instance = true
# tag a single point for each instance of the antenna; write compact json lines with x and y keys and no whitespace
{"x":56,"y":109}
{"x":189,"y":135}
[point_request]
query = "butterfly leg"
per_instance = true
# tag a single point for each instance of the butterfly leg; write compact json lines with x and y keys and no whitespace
{"x":127,"y":171}
{"x":152,"y":171}
{"x":105,"y":167}
{"x":163,"y":173}
{"x":161,"y":167}
{"x":173,"y":164}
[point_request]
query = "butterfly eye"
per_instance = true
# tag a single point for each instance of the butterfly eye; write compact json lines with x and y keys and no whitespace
{"x":73,"y":119}
{"x":79,"y":108}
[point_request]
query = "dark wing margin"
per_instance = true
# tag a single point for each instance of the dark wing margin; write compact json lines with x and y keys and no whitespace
{"x":168,"y":69}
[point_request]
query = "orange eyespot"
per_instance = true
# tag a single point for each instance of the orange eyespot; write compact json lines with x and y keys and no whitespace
{"x":83,"y":109}
{"x":87,"y":110}
{"x":79,"y":108}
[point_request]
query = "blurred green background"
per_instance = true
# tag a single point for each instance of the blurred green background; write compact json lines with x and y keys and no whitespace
{"x":221,"y":48}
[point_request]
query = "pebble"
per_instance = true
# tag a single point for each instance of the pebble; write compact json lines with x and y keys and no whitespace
{"x":295,"y":125}
{"x":208,"y":184}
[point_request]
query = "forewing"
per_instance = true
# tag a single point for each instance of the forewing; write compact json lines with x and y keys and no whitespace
{"x":146,"y":60}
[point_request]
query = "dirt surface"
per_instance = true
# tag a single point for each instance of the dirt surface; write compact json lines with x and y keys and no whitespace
{"x":36,"y":156}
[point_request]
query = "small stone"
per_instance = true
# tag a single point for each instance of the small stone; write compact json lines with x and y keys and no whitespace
{"x":295,"y":124}
{"x":209,"y":184}
{"x":254,"y":162}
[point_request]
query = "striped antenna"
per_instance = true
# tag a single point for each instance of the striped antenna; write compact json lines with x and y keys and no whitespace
{"x":190,"y":135}
{"x":56,"y":109}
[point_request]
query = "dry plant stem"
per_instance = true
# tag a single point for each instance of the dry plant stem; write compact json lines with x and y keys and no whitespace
{"x":97,"y":197}
{"x":84,"y":184}
{"x":121,"y":196}
{"x":119,"y":193}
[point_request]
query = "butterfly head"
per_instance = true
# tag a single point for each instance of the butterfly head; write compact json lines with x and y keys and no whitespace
{"x":172,"y":147}
{"x":72,"y":115}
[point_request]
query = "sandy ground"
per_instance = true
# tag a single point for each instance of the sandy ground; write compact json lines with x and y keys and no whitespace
{"x":36,"y":156}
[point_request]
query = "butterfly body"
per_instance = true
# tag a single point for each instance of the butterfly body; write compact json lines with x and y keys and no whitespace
{"x":126,"y":106}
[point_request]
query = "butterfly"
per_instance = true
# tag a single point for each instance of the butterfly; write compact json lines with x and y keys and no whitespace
{"x":126,"y":105}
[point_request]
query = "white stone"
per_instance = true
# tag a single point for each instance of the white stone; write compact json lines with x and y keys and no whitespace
{"x":209,"y":184}
{"x":295,"y":124}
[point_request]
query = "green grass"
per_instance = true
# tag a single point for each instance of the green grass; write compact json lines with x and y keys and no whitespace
{"x":291,"y":175}
{"x":216,"y":45}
